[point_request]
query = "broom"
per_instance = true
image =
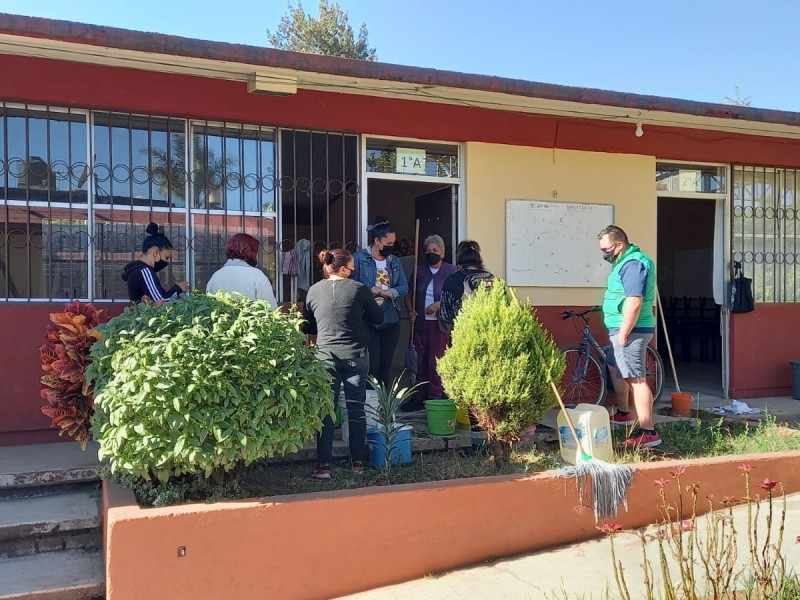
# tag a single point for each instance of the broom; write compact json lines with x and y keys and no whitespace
{"x":610,"y":483}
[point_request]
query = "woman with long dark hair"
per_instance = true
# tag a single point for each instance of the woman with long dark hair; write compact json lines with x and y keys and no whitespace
{"x":381,"y":271}
{"x":140,"y":275}
{"x":342,"y":312}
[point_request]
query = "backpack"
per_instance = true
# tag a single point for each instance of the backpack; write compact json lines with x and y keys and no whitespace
{"x":450,"y":305}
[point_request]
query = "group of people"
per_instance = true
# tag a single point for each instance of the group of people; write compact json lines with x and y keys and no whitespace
{"x":354,"y":313}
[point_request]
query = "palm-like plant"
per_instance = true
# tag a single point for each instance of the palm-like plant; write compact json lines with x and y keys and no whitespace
{"x":385,"y":414}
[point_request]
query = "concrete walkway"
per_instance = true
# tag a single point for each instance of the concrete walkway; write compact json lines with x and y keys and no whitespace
{"x":578,"y":571}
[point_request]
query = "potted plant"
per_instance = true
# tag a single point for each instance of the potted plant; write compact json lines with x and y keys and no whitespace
{"x":65,"y":358}
{"x":203,"y":386}
{"x":390,"y":439}
{"x":493,"y":367}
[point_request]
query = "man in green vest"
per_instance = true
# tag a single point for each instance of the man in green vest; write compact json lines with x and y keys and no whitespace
{"x":628,"y":316}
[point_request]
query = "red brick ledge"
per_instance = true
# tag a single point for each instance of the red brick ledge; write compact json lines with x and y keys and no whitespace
{"x":329,"y":544}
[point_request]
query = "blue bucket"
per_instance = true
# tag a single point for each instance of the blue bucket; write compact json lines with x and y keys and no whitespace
{"x":401,"y":453}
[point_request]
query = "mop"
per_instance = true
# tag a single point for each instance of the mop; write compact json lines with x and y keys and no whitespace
{"x":411,"y":353}
{"x":609,"y":482}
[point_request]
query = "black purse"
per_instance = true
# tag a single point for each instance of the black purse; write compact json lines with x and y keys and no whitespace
{"x":390,"y":314}
{"x":741,"y":291}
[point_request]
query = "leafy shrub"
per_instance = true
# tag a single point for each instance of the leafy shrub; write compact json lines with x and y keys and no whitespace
{"x":65,"y":357}
{"x":204,"y":385}
{"x":492,"y":365}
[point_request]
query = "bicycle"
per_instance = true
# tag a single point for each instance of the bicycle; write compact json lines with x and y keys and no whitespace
{"x":584,"y":379}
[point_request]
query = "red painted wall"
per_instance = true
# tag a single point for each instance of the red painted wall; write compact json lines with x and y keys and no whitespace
{"x":24,"y":326}
{"x":762,"y":343}
{"x":44,"y":81}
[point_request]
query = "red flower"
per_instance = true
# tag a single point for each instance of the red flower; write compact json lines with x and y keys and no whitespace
{"x":679,"y":470}
{"x":745,"y":468}
{"x":797,"y":540}
{"x":610,"y":528}
{"x":768,"y":485}
{"x":661,"y":482}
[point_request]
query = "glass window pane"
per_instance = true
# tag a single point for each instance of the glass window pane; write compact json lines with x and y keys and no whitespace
{"x":43,"y":252}
{"x":694,"y":179}
{"x":412,"y":158}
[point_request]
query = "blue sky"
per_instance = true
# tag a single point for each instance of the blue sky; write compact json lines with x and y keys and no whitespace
{"x":697,"y":50}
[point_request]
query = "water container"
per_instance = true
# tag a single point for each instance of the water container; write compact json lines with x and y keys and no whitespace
{"x":401,"y":453}
{"x":593,"y":427}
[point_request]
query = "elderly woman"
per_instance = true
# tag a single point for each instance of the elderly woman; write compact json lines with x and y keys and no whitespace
{"x":430,"y":340}
{"x":240,"y":274}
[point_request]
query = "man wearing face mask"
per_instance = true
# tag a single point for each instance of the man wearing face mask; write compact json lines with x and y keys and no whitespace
{"x":628,"y":316}
{"x":240,"y":273}
{"x":430,"y":340}
{"x":140,"y":275}
{"x":380,"y":270}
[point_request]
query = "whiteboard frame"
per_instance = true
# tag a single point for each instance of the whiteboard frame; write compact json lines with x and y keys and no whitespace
{"x":511,"y":280}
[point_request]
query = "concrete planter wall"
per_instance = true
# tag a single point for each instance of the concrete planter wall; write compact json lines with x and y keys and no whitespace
{"x":330,"y":544}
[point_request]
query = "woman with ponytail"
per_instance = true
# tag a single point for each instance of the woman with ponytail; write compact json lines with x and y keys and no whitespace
{"x":341,"y":312}
{"x":381,"y":271}
{"x":140,"y":275}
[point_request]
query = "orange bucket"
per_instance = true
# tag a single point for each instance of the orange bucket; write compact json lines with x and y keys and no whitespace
{"x":681,"y":404}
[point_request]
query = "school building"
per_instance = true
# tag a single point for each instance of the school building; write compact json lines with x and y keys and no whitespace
{"x":103,"y":130}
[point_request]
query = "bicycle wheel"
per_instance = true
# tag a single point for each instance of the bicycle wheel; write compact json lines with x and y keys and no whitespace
{"x":654,"y":369}
{"x":583,"y":380}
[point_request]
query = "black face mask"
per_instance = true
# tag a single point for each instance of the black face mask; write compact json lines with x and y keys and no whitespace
{"x":160,"y":265}
{"x":387,"y":251}
{"x":609,"y":257}
{"x":432,"y":258}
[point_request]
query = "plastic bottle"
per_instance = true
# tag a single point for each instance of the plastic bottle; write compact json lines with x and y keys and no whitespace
{"x":593,"y":426}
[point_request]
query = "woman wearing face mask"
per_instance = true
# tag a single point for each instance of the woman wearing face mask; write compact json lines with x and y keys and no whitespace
{"x":381,"y":271}
{"x":140,"y":275}
{"x":430,"y":340}
{"x":240,"y":273}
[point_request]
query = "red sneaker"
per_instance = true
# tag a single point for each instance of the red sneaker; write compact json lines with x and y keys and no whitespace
{"x":321,"y":472}
{"x":643,"y":439}
{"x":358,"y":467}
{"x":622,"y":420}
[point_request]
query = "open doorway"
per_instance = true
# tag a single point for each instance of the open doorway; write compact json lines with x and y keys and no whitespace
{"x":403,"y":202}
{"x":685,"y":276}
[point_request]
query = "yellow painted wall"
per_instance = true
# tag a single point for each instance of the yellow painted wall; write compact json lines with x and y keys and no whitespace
{"x":495,"y":172}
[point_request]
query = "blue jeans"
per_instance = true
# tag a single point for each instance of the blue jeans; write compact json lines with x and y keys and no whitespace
{"x":353,"y":373}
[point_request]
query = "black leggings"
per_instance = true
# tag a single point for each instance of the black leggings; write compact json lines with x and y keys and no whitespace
{"x":382,"y":343}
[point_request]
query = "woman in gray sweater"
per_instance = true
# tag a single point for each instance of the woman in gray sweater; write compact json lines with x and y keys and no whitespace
{"x":341,"y":312}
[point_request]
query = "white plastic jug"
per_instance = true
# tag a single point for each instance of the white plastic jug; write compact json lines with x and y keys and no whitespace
{"x":593,"y":426}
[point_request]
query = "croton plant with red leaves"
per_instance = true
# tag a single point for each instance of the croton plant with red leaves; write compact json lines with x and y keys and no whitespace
{"x":65,"y":356}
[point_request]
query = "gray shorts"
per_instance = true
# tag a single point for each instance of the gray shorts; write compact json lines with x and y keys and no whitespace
{"x":629,"y":359}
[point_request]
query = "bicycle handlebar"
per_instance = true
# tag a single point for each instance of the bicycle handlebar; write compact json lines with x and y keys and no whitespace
{"x":569,"y":314}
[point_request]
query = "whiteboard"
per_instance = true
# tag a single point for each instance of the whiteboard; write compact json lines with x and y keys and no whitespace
{"x":554,"y":244}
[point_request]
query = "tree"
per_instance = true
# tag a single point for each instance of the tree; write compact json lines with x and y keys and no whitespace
{"x":330,"y":34}
{"x":737,"y":99}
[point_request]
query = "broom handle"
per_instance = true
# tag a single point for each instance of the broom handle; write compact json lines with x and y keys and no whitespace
{"x":414,"y":280}
{"x":666,"y":338}
{"x":554,"y":387}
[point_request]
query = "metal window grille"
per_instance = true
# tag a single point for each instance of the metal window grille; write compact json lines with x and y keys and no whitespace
{"x":319,"y":195}
{"x":765,"y":230}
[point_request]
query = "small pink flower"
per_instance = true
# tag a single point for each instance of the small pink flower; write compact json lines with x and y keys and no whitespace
{"x":728,"y":500}
{"x":679,"y":470}
{"x":662,"y":534}
{"x":610,"y":528}
{"x":745,"y":468}
{"x":768,"y":485}
{"x":661,"y":482}
{"x":797,"y":540}
{"x":686,"y":525}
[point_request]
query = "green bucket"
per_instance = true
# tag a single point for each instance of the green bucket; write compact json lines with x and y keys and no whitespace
{"x":441,"y":416}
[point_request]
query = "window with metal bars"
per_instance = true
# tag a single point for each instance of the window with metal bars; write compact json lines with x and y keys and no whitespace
{"x":765,"y":230}
{"x":69,"y":224}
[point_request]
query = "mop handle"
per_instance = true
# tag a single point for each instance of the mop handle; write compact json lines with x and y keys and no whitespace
{"x":585,"y":455}
{"x":666,"y":339}
{"x":414,"y":280}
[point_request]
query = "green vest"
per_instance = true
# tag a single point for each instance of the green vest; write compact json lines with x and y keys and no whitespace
{"x":615,"y":294}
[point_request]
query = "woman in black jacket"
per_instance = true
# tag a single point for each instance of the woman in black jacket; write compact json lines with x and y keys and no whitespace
{"x":341,"y":312}
{"x":140,"y":275}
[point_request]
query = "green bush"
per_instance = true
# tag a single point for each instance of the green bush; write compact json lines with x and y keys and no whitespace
{"x":493,"y":367}
{"x":203,"y":385}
